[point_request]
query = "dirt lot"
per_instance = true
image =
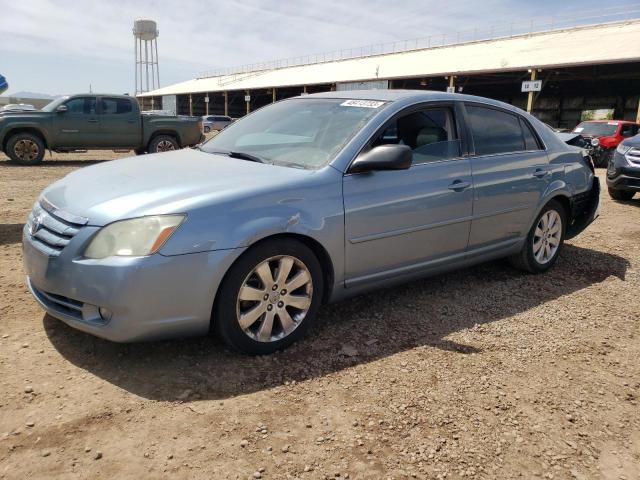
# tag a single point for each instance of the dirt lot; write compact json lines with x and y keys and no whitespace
{"x":482,"y":373}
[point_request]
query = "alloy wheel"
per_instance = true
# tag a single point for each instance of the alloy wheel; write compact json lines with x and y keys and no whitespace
{"x":165,"y":146}
{"x":26,"y":150}
{"x":274,"y":298}
{"x":547,"y":236}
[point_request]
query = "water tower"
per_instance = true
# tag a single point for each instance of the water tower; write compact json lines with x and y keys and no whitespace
{"x":145,"y":35}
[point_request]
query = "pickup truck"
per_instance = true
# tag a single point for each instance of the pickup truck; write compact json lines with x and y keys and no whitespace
{"x":90,"y":121}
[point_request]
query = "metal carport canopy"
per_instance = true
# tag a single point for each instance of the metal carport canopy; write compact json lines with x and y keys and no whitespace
{"x":595,"y":44}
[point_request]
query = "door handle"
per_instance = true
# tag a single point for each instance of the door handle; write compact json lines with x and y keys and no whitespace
{"x":459,"y":185}
{"x":540,"y":172}
{"x":92,"y":120}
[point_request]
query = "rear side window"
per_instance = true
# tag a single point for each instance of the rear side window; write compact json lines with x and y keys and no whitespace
{"x":430,"y":133}
{"x":494,"y":131}
{"x":530,"y":140}
{"x":115,"y":106}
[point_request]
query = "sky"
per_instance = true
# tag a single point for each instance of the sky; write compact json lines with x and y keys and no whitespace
{"x":62,"y":47}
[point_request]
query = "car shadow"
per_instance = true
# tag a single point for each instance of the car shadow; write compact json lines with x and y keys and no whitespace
{"x":10,"y":233}
{"x":363,"y":329}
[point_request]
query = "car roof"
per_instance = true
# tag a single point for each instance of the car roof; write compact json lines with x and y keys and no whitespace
{"x":607,"y":121}
{"x":385,"y":95}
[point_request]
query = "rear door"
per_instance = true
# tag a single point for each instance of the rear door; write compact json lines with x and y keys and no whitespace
{"x":79,"y":126}
{"x":511,"y":172}
{"x":403,"y":221}
{"x":120,"y":124}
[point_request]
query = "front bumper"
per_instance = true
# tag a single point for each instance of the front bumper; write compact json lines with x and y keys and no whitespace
{"x":625,"y":178}
{"x":148,"y":298}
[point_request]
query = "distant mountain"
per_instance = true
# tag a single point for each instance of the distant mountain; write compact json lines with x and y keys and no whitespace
{"x":42,"y":96}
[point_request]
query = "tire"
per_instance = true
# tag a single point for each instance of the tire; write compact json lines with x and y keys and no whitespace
{"x":621,"y":195}
{"x":531,"y":259}
{"x":163,"y":143}
{"x":289,"y":313}
{"x":25,"y":149}
{"x":207,"y":129}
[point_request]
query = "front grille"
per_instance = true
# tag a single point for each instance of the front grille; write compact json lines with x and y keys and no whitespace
{"x":49,"y":232}
{"x":633,"y":155}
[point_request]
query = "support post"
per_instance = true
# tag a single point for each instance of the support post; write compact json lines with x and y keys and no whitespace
{"x":248,"y":102}
{"x":530,"y":99}
{"x":206,"y":103}
{"x":451,"y":81}
{"x":190,"y":105}
{"x":638,"y":116}
{"x":273,"y":95}
{"x":226,"y":104}
{"x":304,"y":89}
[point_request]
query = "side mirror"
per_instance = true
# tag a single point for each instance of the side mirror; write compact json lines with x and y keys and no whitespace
{"x":383,"y":157}
{"x":62,"y":109}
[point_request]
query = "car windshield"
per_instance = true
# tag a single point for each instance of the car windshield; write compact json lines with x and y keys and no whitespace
{"x":50,"y":107}
{"x":599,"y":129}
{"x":301,"y":132}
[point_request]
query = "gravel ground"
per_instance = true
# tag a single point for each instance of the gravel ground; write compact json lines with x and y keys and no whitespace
{"x":484,"y":373}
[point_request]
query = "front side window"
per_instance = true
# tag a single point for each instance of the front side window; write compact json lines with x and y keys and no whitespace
{"x":430,"y":133}
{"x":82,"y":105}
{"x":494,"y":131}
{"x":115,"y":106}
{"x":302,"y":132}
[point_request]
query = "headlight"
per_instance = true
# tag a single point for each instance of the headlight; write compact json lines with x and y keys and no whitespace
{"x":133,"y":238}
{"x":622,"y":149}
{"x":595,"y":142}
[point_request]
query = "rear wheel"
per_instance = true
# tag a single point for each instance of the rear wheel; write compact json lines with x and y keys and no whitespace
{"x":622,"y":195}
{"x":207,"y":129}
{"x":25,"y":148}
{"x":269,"y":297}
{"x":544,"y":241}
{"x":163,"y":143}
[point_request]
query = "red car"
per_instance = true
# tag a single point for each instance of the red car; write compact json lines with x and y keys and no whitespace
{"x":609,"y":133}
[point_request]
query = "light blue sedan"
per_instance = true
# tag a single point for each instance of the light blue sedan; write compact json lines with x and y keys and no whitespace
{"x":306,"y":201}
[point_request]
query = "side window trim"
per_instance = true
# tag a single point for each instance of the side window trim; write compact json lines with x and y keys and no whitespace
{"x":472,"y":153}
{"x":458,"y":125}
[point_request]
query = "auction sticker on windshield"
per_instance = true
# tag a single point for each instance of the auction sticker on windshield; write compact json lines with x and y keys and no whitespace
{"x":362,"y":103}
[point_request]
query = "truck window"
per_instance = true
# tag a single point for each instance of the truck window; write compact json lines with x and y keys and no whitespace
{"x":82,"y":105}
{"x":115,"y":106}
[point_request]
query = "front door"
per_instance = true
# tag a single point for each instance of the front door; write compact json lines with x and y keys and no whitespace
{"x":79,"y":125}
{"x":120,"y":123}
{"x":404,"y":221}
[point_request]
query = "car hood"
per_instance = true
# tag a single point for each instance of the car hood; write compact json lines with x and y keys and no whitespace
{"x":170,"y":182}
{"x":632,"y":142}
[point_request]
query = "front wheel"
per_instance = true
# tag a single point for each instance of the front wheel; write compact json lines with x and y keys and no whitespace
{"x":544,"y":241}
{"x":269,"y":297}
{"x":622,"y":195}
{"x":25,"y":149}
{"x":163,"y":143}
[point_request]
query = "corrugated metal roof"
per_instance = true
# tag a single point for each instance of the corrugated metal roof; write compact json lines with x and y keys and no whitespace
{"x":596,"y":44}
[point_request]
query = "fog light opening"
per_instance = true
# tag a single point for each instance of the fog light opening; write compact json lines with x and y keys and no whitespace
{"x":105,"y":313}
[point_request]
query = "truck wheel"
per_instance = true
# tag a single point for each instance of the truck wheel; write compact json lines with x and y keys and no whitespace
{"x":621,"y":194}
{"x":25,"y":148}
{"x":163,"y":143}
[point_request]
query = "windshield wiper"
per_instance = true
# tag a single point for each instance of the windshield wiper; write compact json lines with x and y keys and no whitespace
{"x":246,"y":156}
{"x":240,"y":155}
